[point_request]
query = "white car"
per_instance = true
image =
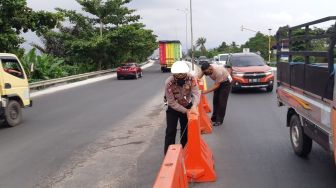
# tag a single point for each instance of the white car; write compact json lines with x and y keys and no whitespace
{"x":222,"y":59}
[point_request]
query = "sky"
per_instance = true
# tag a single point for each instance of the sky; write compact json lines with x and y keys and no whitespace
{"x":216,"y":20}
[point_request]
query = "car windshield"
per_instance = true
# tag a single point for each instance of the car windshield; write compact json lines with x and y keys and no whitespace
{"x":247,"y":61}
{"x":202,"y":58}
{"x":128,"y":64}
{"x":223,"y":57}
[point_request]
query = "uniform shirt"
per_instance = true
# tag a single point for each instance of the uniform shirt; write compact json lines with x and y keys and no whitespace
{"x":179,"y":97}
{"x":219,"y":74}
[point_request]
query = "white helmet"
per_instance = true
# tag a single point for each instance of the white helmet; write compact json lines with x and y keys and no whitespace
{"x":180,"y":67}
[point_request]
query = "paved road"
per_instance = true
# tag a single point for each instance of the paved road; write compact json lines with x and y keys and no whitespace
{"x":252,"y":149}
{"x":62,"y":123}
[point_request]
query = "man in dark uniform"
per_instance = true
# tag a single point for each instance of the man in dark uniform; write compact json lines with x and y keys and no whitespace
{"x":221,"y":88}
{"x":182,"y":95}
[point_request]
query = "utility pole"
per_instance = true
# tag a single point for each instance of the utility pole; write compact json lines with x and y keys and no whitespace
{"x":192,"y":37}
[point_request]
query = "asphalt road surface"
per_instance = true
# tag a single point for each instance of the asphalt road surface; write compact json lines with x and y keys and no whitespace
{"x":252,"y":149}
{"x":65,"y":122}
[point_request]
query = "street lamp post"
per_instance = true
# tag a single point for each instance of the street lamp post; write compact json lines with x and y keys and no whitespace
{"x":244,"y":28}
{"x":269,"y":40}
{"x":192,"y":36}
{"x":185,"y":11}
{"x":269,"y":46}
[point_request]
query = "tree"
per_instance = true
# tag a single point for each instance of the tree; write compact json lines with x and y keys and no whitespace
{"x":222,"y":47}
{"x":109,"y":12}
{"x":82,"y":41}
{"x":225,"y":48}
{"x":16,"y":17}
{"x":201,"y":44}
{"x":259,"y":43}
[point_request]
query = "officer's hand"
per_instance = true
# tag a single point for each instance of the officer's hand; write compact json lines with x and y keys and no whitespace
{"x":193,"y":110}
{"x":205,"y":92}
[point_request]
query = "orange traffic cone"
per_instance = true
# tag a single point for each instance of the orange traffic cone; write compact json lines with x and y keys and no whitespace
{"x":205,"y":122}
{"x":198,"y":157}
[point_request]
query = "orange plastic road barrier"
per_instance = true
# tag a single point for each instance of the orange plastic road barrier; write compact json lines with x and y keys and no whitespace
{"x":205,"y":103}
{"x":203,"y":100}
{"x":201,"y":84}
{"x":172,"y":173}
{"x":198,"y":157}
{"x":205,"y":122}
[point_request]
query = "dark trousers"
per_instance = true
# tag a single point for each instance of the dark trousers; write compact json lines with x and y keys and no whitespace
{"x":173,"y":117}
{"x":220,"y":99}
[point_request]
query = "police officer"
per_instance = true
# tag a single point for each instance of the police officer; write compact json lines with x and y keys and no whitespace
{"x":182,"y":95}
{"x":221,"y":89}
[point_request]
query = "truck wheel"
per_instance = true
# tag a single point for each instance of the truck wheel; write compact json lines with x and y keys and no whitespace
{"x":301,"y":143}
{"x":13,"y":113}
{"x":269,"y":89}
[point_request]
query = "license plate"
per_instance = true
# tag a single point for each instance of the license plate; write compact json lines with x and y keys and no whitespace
{"x":256,"y":80}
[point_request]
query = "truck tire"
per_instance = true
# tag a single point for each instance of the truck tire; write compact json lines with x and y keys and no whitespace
{"x":269,"y":89}
{"x":301,"y":143}
{"x":13,"y":113}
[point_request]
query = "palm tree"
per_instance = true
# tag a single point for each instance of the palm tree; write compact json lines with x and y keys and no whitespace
{"x":95,"y":7}
{"x":109,"y":12}
{"x":201,"y":43}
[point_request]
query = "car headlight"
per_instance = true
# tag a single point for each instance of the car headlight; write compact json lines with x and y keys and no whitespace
{"x":270,"y":72}
{"x":238,"y":74}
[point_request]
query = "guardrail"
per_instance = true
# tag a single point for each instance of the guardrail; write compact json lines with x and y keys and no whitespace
{"x":48,"y":83}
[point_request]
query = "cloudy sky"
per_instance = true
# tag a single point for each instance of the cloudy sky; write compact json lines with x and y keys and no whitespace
{"x":216,"y":20}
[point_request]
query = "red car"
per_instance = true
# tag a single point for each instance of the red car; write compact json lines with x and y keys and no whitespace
{"x":129,"y":70}
{"x":249,"y":70}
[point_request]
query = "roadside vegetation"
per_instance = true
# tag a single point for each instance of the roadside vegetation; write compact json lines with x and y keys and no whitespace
{"x":103,"y":35}
{"x":259,"y":43}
